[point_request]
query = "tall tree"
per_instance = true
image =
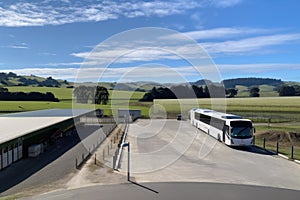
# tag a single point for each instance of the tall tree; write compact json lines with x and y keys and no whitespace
{"x":101,"y":95}
{"x":254,"y":92}
{"x":231,"y":92}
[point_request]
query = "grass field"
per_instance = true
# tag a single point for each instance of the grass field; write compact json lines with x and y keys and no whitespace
{"x":284,"y":112}
{"x":66,"y":93}
{"x":279,"y":109}
{"x":60,"y":93}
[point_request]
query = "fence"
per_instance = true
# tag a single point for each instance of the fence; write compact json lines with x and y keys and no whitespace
{"x":291,"y":151}
{"x":84,"y":157}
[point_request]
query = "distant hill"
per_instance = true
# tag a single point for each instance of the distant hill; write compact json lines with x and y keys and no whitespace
{"x":201,"y":82}
{"x":249,"y":82}
{"x":12,"y":79}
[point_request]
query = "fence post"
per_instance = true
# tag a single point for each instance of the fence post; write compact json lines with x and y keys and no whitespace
{"x":277,"y":144}
{"x":292,"y":152}
{"x":264,"y":143}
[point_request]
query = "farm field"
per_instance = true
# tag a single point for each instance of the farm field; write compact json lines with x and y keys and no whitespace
{"x":279,"y":109}
{"x":271,"y":115}
{"x":66,"y":93}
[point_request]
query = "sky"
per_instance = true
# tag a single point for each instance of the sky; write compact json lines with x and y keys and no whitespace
{"x":160,"y":40}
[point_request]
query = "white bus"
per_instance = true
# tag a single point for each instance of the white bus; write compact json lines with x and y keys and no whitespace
{"x":231,"y":129}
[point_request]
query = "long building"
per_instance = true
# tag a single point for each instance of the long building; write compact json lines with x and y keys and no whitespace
{"x":19,"y":131}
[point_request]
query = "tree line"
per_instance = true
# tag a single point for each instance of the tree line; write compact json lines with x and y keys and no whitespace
{"x":187,"y":91}
{"x":90,"y":94}
{"x":289,"y":90}
{"x":249,"y":82}
{"x":5,"y":95}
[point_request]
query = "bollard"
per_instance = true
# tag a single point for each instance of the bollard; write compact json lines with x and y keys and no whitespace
{"x":292,"y":152}
{"x":264,"y":143}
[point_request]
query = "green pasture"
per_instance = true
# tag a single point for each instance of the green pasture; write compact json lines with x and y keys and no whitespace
{"x":278,"y":109}
{"x":66,"y":93}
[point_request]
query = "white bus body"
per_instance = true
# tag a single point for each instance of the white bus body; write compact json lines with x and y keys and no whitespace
{"x":233,"y":130}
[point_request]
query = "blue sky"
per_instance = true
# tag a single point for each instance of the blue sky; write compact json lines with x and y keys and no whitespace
{"x":244,"y":38}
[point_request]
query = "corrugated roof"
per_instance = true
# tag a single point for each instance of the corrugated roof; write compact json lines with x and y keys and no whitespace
{"x":16,"y":125}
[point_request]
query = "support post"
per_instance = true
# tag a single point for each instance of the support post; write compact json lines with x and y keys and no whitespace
{"x":277,"y":144}
{"x":128,"y":164}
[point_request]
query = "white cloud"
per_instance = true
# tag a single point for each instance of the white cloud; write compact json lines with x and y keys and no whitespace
{"x":219,"y":33}
{"x":153,"y":73}
{"x":249,"y":44}
{"x":179,"y":47}
{"x":18,"y":46}
{"x":224,"y":3}
{"x":138,"y":73}
{"x":45,"y":13}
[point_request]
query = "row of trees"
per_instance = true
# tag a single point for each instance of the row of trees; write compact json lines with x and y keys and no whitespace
{"x":287,"y":90}
{"x":5,"y":95}
{"x":89,"y":94}
{"x":184,"y":91}
{"x":250,"y":82}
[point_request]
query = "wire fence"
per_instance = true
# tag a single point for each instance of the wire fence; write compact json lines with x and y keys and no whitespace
{"x":81,"y":159}
{"x":291,"y":151}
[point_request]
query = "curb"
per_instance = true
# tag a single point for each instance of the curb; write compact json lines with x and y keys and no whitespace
{"x":283,"y":156}
{"x":278,"y":154}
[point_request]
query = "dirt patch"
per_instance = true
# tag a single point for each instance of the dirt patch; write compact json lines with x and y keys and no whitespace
{"x":283,"y":137}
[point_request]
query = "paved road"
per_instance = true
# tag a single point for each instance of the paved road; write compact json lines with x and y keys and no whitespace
{"x":174,"y":151}
{"x":53,"y":165}
{"x":173,"y":191}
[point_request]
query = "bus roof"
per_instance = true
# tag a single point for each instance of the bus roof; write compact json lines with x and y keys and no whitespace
{"x":217,"y":114}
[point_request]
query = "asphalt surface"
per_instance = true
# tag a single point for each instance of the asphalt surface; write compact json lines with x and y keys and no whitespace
{"x":173,"y":191}
{"x":54,"y":164}
{"x":175,"y":151}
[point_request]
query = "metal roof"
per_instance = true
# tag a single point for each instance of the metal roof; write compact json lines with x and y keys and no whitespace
{"x":214,"y":113}
{"x":17,"y":125}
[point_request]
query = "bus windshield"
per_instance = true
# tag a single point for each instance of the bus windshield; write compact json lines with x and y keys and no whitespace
{"x":241,"y":129}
